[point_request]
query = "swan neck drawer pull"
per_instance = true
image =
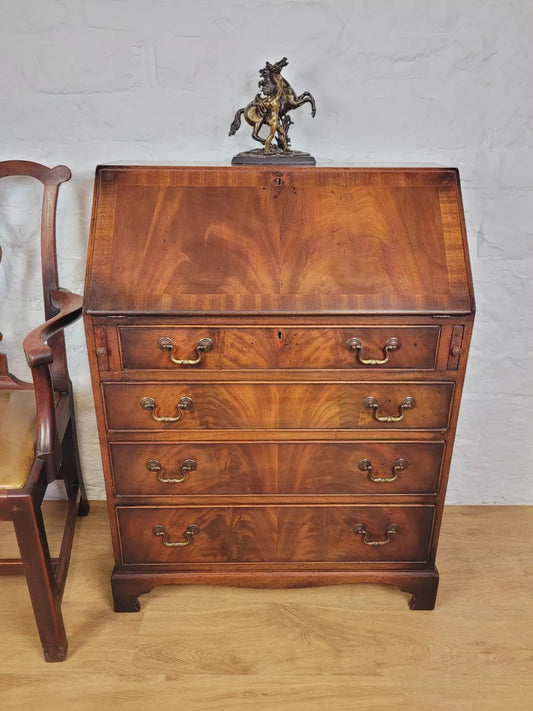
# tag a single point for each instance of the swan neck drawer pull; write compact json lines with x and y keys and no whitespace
{"x":190,"y":532}
{"x":371,"y":403}
{"x":205,"y":345}
{"x":365,"y":465}
{"x":354,"y":345}
{"x":184,"y":403}
{"x":188,"y":465}
{"x":360,"y":529}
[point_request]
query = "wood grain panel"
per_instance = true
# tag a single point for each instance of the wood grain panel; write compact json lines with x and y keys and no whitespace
{"x":279,"y":347}
{"x":275,"y":534}
{"x":275,"y":468}
{"x":325,"y":241}
{"x":277,"y":405}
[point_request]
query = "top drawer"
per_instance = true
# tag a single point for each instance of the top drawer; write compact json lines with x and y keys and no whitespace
{"x":267,"y":347}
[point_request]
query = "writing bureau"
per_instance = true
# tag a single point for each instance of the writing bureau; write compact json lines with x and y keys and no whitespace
{"x":277,"y":358}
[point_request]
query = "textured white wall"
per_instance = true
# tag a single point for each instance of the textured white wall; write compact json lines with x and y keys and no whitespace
{"x":396,"y":81}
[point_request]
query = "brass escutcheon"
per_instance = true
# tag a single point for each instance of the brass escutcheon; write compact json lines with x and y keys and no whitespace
{"x":184,"y":403}
{"x":371,"y":403}
{"x":205,"y":345}
{"x":365,"y":465}
{"x":188,"y":465}
{"x":354,"y":345}
{"x":190,"y":531}
{"x":360,"y":529}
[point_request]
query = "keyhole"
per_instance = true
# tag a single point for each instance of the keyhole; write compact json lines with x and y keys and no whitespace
{"x":279,"y":335}
{"x":278,"y":180}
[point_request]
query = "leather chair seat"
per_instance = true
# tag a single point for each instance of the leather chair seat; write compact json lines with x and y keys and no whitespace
{"x":17,"y":437}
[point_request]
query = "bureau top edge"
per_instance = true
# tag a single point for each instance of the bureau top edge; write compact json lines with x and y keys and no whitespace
{"x":325,"y":165}
{"x":266,"y":315}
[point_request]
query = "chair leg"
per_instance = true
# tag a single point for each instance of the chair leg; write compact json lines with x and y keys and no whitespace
{"x":44,"y":593}
{"x":77,"y":502}
{"x":71,"y":467}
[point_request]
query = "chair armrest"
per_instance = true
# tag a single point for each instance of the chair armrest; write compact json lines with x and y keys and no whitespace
{"x":35,"y":344}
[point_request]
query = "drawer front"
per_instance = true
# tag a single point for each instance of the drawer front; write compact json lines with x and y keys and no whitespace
{"x":223,"y":406}
{"x":275,"y":534}
{"x":153,"y":469}
{"x":391,"y":347}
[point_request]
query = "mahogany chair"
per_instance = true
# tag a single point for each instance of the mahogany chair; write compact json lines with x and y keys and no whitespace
{"x":38,"y":432}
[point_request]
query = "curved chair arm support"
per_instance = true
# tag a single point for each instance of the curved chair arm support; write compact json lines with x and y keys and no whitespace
{"x":40,"y":356}
{"x":35,"y":344}
{"x":47,"y":445}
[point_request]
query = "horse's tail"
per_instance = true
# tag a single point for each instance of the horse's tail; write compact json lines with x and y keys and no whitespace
{"x":236,"y":123}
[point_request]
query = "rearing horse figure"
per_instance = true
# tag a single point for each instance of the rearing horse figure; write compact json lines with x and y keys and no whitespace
{"x":290,"y":100}
{"x":270,"y":108}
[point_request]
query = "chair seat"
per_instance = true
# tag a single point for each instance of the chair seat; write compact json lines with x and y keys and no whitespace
{"x":17,"y":437}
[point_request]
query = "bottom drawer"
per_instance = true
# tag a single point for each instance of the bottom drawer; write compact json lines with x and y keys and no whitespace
{"x":277,"y":534}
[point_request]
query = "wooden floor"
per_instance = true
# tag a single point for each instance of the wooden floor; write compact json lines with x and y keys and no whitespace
{"x":348,"y":647}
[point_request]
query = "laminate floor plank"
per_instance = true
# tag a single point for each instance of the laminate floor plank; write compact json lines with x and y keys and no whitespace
{"x":344,"y":647}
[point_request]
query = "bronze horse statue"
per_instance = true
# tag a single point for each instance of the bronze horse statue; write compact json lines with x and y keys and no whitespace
{"x":271,"y":106}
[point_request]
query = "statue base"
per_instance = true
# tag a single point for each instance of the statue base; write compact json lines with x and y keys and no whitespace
{"x":275,"y":156}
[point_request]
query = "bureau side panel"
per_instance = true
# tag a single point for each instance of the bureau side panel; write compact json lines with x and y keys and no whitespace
{"x":97,"y":358}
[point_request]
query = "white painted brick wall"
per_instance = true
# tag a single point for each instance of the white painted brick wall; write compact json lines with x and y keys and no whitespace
{"x":396,"y":81}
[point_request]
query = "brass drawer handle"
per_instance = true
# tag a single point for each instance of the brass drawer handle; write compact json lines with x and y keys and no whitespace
{"x":354,"y":345}
{"x":184,"y":403}
{"x":190,"y":532}
{"x":188,"y":465}
{"x":391,"y":529}
{"x":365,"y":465}
{"x":371,"y":403}
{"x":205,"y":345}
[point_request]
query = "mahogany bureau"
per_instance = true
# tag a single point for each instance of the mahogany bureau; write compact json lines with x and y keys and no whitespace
{"x":277,"y":359}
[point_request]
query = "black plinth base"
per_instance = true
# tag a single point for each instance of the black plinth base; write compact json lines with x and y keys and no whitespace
{"x":274,"y":157}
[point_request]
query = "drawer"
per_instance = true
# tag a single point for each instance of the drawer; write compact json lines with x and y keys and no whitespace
{"x":360,"y":347}
{"x":218,"y":468}
{"x":223,"y":405}
{"x":277,"y":534}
